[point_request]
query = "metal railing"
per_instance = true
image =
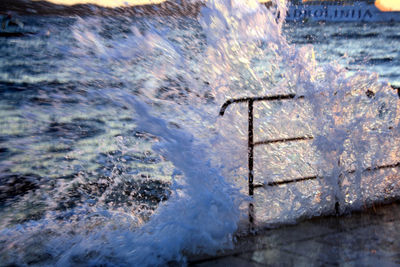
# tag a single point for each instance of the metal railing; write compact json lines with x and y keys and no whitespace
{"x":251,"y":144}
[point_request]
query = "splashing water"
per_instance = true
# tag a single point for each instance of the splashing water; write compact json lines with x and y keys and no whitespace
{"x":168,"y":78}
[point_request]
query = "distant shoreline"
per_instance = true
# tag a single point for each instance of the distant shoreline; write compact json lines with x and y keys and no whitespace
{"x":43,"y":8}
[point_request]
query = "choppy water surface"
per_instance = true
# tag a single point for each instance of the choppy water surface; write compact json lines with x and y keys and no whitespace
{"x":112,"y":151}
{"x":357,"y":46}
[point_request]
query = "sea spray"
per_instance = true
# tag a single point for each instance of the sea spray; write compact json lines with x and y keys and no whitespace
{"x":83,"y":226}
{"x":352,"y":113}
{"x":200,"y":216}
{"x":165,"y":173}
{"x":346,"y":113}
{"x":198,"y":193}
{"x":202,"y":213}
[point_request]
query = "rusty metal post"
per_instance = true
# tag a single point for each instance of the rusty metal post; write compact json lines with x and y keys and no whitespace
{"x":251,"y":162}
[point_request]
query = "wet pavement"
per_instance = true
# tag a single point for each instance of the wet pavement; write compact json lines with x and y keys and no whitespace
{"x":368,"y":238}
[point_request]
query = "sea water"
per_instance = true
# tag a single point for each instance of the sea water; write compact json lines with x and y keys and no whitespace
{"x":112,"y":151}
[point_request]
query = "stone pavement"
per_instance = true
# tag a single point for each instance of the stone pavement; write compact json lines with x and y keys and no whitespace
{"x":369,"y":238}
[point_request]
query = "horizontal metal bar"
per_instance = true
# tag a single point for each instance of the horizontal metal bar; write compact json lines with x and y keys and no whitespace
{"x":389,"y":166}
{"x":283,"y":140}
{"x":254,"y":99}
{"x":286,"y":181}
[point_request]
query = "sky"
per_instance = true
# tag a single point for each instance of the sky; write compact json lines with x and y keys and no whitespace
{"x":107,"y":3}
{"x":388,"y":5}
{"x":384,"y":5}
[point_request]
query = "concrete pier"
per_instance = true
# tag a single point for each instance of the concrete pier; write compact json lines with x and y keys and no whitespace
{"x":368,"y":238}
